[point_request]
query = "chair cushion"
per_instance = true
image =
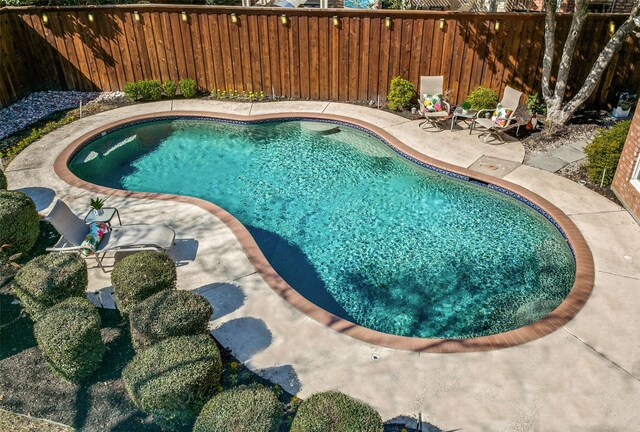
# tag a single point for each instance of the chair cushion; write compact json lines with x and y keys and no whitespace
{"x":97,"y":230}
{"x":501,"y":115}
{"x":432,"y":102}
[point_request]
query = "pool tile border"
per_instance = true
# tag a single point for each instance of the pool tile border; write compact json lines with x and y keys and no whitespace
{"x":572,"y":304}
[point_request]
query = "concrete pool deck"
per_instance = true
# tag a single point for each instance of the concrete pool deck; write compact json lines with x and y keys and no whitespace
{"x":581,"y":377}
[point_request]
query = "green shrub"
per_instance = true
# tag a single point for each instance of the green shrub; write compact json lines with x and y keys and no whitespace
{"x":188,"y":88}
{"x":49,"y":279}
{"x":536,"y":105}
{"x":482,"y":98}
{"x":68,"y":334}
{"x":402,"y":94}
{"x":141,"y":275}
{"x":166,"y":314}
{"x":173,"y":379}
{"x":170,"y":88}
{"x":603,"y":153}
{"x":19,"y":221}
{"x":3,"y":180}
{"x":335,"y":411}
{"x":131,"y":89}
{"x":241,"y":409}
{"x":150,"y":90}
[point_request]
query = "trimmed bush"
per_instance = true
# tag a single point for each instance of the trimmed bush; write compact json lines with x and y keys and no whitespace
{"x":166,"y":314}
{"x":50,"y":279}
{"x":603,"y":153}
{"x":170,"y":88}
{"x":188,"y":88}
{"x":173,"y":379}
{"x":401,"y":95}
{"x":68,"y":334}
{"x":482,"y":98}
{"x":131,"y":90}
{"x":141,"y":275}
{"x":241,"y":409}
{"x":3,"y":180}
{"x":19,"y":221}
{"x":335,"y":411}
{"x":150,"y":90}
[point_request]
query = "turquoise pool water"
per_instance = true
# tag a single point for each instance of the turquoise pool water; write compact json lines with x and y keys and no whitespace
{"x":352,"y":226}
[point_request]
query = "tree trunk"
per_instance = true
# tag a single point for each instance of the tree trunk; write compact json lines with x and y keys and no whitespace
{"x":558,"y":112}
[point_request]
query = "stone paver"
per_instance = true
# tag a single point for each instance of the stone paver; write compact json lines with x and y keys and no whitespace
{"x":583,"y":377}
{"x":579,"y":144}
{"x":567,"y":154}
{"x":547,"y":163}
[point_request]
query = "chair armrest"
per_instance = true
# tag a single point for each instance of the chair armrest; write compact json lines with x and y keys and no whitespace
{"x":484,"y":111}
{"x":64,"y":249}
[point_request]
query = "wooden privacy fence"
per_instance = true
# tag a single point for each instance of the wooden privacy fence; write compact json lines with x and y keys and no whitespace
{"x":297,"y":53}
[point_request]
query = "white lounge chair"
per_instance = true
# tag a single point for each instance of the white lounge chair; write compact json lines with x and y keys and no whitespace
{"x":433,"y":85}
{"x":127,"y":238}
{"x":510,"y":100}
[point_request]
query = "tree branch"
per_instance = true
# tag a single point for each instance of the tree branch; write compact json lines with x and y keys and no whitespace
{"x":602,"y":61}
{"x":549,"y":44}
{"x":577,"y":22}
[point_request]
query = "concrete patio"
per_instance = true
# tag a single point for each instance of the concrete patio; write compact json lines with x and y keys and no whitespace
{"x":584,"y":377}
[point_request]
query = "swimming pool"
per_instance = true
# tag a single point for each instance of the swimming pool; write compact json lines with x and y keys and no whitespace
{"x":358,"y":230}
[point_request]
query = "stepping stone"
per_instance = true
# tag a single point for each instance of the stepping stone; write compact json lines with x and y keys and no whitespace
{"x":579,"y":145}
{"x":567,"y":153}
{"x":494,"y":166}
{"x":106,"y":298}
{"x":94,"y":298}
{"x":547,"y":163}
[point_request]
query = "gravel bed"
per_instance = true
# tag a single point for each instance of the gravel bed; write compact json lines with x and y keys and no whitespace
{"x":37,"y":106}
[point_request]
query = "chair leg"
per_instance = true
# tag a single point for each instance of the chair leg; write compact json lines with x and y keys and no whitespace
{"x":99,"y":261}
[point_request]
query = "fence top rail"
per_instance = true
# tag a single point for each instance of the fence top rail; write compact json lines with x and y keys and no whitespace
{"x":299,"y":11}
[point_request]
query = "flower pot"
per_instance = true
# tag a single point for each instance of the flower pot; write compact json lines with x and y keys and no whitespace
{"x":98,"y":212}
{"x":620,"y":113}
{"x":465,"y":111}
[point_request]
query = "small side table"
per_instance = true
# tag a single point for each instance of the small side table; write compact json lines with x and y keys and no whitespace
{"x":107,"y":214}
{"x":458,"y":115}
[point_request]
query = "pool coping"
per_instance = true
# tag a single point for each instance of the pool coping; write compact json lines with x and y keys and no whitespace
{"x":575,"y":300}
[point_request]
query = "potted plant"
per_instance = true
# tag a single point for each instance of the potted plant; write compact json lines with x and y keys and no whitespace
{"x":97,"y":204}
{"x":536,"y":107}
{"x":466,"y":106}
{"x":626,"y":101}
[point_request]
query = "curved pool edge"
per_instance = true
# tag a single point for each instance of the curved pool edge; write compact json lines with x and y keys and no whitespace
{"x":571,"y":305}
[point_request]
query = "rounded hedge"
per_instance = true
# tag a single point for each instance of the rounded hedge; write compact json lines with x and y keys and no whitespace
{"x":49,"y":279}
{"x":3,"y":180}
{"x":335,"y":411}
{"x":141,"y":275}
{"x":166,"y":314}
{"x":68,"y":335}
{"x":19,"y":221}
{"x":241,"y":409}
{"x":482,"y":98}
{"x":173,"y":379}
{"x":603,"y":153}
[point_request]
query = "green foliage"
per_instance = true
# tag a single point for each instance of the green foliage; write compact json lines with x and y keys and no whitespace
{"x":235,"y":94}
{"x":335,"y":411}
{"x":241,"y":409}
{"x":49,"y":279}
{"x":188,"y":88}
{"x":141,"y":275}
{"x":466,"y":105}
{"x":536,"y":105}
{"x":96,"y":203}
{"x":222,"y":2}
{"x":174,"y":378}
{"x":68,"y":335}
{"x":482,"y":98}
{"x":170,"y":88}
{"x":147,"y":90}
{"x":19,"y":222}
{"x":166,"y":314}
{"x":36,"y":134}
{"x":3,"y":180}
{"x":603,"y":153}
{"x":401,"y":95}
